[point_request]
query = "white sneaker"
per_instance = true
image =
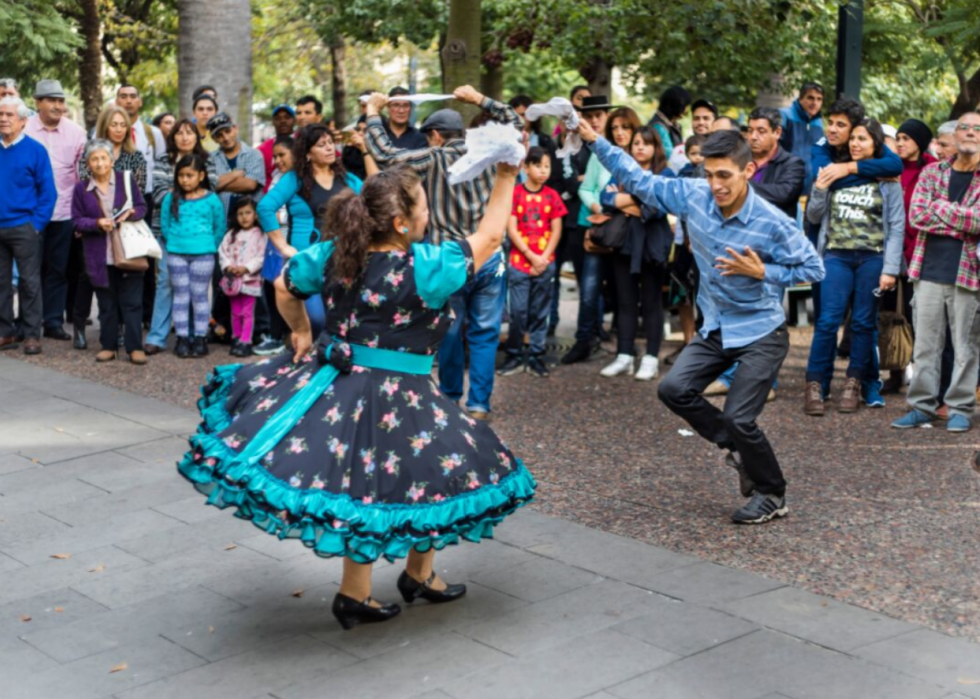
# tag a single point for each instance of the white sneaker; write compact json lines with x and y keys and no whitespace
{"x":649,"y":368}
{"x":623,"y":364}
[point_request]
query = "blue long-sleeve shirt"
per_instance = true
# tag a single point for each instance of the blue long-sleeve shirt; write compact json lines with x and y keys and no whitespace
{"x":743,"y":308}
{"x":888,"y":165}
{"x":28,"y":194}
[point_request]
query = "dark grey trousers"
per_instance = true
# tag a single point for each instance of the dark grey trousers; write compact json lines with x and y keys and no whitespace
{"x":734,"y":428}
{"x":23,"y":245}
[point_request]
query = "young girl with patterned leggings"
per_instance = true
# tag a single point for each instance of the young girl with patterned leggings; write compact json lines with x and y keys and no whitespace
{"x":193,"y":224}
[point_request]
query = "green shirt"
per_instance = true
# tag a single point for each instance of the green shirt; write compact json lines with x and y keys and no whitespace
{"x":856,"y":219}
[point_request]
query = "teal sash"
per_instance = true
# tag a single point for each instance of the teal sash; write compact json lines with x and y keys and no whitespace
{"x":279,"y":425}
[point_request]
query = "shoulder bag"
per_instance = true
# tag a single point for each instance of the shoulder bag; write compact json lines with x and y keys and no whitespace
{"x":894,"y":337}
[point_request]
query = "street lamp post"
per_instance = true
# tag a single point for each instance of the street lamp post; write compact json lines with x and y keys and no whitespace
{"x":850,"y":28}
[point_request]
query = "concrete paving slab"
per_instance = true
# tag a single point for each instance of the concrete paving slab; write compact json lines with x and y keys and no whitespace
{"x":128,"y":500}
{"x":814,"y":618}
{"x":48,"y":611}
{"x":537,"y":580}
{"x":953,"y":663}
{"x":709,"y":584}
{"x":12,"y":463}
{"x":569,"y":670}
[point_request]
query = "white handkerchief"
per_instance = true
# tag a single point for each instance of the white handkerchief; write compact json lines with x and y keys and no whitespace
{"x":564,"y":110}
{"x":416,"y":99}
{"x":486,"y":146}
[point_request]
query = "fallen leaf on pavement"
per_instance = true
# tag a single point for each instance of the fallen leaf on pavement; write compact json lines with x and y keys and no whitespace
{"x":229,"y":547}
{"x":968,"y":680}
{"x":298,"y":593}
{"x":61,"y":556}
{"x":210,"y":629}
{"x":119,"y":668}
{"x":59,"y":609}
{"x":98,"y":569}
{"x":26,"y":617}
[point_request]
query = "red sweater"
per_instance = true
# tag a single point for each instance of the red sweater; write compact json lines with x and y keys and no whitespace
{"x":909,"y":177}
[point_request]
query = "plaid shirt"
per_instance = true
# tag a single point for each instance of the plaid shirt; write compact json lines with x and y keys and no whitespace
{"x":456,"y":210}
{"x":933,"y":214}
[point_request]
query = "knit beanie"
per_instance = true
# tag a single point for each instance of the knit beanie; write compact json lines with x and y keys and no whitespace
{"x":918,"y":132}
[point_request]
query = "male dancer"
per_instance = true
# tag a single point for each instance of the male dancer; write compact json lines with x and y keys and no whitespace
{"x":740,"y":298}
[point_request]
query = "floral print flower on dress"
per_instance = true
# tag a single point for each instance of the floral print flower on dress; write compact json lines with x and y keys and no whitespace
{"x":265,"y":404}
{"x":373,"y":298}
{"x":318,"y":483}
{"x":297,"y":445}
{"x":420,"y":442}
{"x":390,"y":387}
{"x":391,"y":463}
{"x":390,"y":420}
{"x":338,"y":448}
{"x":367,"y":460}
{"x":334,"y":415}
{"x":395,"y":277}
{"x":233,"y":440}
{"x":416,"y":492}
{"x":450,"y":463}
{"x":358,"y":410}
{"x":401,"y":317}
{"x":413,"y":399}
{"x":440,"y":417}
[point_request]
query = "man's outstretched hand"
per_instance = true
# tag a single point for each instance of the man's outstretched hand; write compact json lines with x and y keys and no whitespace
{"x":748,"y":264}
{"x":586,"y":132}
{"x":468,"y":94}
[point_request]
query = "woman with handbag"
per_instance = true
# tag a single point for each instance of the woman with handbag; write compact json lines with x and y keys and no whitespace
{"x":861,"y":233}
{"x":640,"y":264}
{"x":99,"y":206}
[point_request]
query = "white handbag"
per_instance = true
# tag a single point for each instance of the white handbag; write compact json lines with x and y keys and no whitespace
{"x":137,"y":238}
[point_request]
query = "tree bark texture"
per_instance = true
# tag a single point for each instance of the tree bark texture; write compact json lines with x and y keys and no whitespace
{"x":599,"y":74}
{"x":492,"y":82}
{"x":214,"y":47}
{"x":338,"y":82}
{"x":90,"y":61}
{"x":968,"y":98}
{"x":461,"y":56}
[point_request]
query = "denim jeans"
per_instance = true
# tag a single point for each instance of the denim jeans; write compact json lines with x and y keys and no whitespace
{"x":479,"y":306}
{"x":847,"y":272}
{"x":162,"y":303}
{"x":530,"y":304}
{"x":590,"y":297}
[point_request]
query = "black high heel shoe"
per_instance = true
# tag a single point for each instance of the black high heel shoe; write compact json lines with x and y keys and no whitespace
{"x":412,"y":589}
{"x":78,"y":336}
{"x":350,"y":612}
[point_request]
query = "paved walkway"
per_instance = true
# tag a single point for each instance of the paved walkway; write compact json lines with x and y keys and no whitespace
{"x":116,"y":580}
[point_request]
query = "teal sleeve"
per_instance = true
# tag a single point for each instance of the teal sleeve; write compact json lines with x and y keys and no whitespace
{"x":588,"y":192}
{"x":442,"y":270}
{"x":276,"y":198}
{"x":218,"y":218}
{"x":354,"y":182}
{"x":166,"y":218}
{"x":305,"y":272}
{"x":665,"y":138}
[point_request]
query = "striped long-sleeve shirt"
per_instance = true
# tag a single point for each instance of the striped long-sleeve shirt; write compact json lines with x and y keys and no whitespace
{"x":743,"y":308}
{"x":455,"y":210}
{"x":933,"y":214}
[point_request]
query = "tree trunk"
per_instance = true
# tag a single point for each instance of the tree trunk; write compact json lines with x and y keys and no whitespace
{"x":214,"y":47}
{"x":599,"y":74}
{"x":461,"y":55}
{"x":968,"y":98}
{"x":90,"y":61}
{"x":492,"y":82}
{"x":338,"y":62}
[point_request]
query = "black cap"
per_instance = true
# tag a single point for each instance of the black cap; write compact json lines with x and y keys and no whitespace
{"x":443,"y":120}
{"x":704,"y":104}
{"x":219,"y":122}
{"x":594,"y":103}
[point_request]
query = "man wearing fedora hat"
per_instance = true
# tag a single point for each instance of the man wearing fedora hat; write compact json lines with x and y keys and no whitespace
{"x":595,"y":112}
{"x":64,"y":140}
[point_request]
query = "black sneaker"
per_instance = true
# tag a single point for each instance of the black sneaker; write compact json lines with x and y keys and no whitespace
{"x":199,"y":347}
{"x":745,"y":484}
{"x":268,"y":347}
{"x":579,"y":352}
{"x":536,"y":366}
{"x":182,"y":348}
{"x":236,"y":349}
{"x":513,"y":365}
{"x":244,"y":349}
{"x":760,"y":509}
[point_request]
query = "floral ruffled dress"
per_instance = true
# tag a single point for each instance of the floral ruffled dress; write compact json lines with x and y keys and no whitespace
{"x":353,"y":454}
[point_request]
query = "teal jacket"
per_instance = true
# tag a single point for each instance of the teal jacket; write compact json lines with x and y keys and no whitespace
{"x":199,"y":227}
{"x":301,"y":218}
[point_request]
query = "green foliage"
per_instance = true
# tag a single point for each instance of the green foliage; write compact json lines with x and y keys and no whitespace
{"x":377,"y":21}
{"x":38,"y":42}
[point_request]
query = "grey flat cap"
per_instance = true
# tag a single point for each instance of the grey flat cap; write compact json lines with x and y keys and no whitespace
{"x":443,"y":120}
{"x":49,"y":88}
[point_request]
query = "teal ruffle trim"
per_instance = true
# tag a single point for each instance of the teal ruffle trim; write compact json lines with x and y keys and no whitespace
{"x":333,"y":524}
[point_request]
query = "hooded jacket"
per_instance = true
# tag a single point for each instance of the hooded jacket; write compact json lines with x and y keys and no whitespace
{"x":800,"y":133}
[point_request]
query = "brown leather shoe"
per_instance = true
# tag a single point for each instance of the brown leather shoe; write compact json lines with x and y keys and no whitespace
{"x":152,"y":349}
{"x":137,"y":357}
{"x":32,"y":346}
{"x":8,"y":343}
{"x":105,"y":356}
{"x":850,"y":399}
{"x":813,"y":399}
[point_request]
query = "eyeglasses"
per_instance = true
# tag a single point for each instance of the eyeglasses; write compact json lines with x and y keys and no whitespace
{"x":968,"y":127}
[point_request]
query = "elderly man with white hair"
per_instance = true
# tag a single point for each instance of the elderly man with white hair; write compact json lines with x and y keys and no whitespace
{"x":946,"y":140}
{"x":27,"y":202}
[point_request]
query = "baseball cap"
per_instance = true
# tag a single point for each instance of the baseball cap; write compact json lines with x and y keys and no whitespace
{"x":219,"y":122}
{"x":279,"y":107}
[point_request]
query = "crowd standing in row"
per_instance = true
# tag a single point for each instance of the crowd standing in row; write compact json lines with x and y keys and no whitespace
{"x":884,"y":208}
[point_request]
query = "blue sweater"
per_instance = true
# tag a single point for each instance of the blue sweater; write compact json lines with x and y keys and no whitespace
{"x":199,"y":227}
{"x":27,"y":192}
{"x":301,"y":219}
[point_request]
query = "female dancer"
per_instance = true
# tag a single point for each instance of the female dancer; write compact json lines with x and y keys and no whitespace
{"x":348,"y":445}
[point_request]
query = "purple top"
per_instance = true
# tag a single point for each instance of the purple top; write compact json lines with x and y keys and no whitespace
{"x":86,"y":210}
